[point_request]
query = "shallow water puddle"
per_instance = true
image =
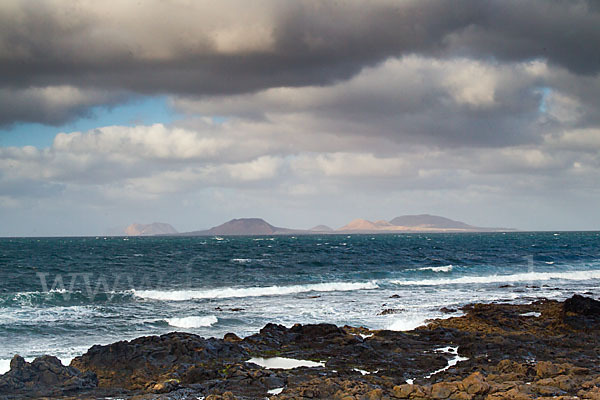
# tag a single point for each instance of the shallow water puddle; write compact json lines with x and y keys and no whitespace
{"x":363,"y":372}
{"x":531,"y":314}
{"x":451,"y":362}
{"x":283,"y":363}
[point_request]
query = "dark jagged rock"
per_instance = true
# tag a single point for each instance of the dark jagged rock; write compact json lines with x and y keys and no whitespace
{"x":546,"y":349}
{"x":388,"y":311}
{"x":44,"y":376}
{"x":447,"y":310}
{"x":582,"y":313}
{"x":582,"y":305}
{"x":149,"y":362}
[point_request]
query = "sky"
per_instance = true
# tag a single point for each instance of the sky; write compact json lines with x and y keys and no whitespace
{"x":299,"y":112}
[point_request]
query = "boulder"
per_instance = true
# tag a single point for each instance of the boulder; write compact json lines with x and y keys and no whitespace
{"x":443,"y":390}
{"x":44,"y":376}
{"x":475,"y":384}
{"x":582,"y":305}
{"x":133,"y":364}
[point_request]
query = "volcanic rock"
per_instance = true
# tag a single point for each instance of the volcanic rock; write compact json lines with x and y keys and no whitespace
{"x":44,"y":376}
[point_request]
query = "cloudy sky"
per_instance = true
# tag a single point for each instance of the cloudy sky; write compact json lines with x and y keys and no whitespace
{"x":300,"y":112}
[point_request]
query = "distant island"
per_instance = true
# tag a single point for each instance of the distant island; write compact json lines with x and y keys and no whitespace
{"x":258,"y":226}
{"x":243,"y":227}
{"x":414,"y":223}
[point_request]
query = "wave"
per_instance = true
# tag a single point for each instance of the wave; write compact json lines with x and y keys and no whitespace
{"x":444,"y":268}
{"x":192,"y":322}
{"x":522,"y":277}
{"x":61,"y":297}
{"x":237,"y":292}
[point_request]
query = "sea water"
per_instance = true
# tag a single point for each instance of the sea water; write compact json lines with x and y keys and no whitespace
{"x":60,"y":296}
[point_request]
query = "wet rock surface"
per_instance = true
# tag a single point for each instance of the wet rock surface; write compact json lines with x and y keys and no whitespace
{"x":43,"y":377}
{"x":545,"y":349}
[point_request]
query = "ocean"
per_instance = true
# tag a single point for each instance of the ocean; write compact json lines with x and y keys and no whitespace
{"x":60,"y":296}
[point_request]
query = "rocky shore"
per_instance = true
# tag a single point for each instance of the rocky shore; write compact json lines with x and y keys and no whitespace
{"x":545,"y":349}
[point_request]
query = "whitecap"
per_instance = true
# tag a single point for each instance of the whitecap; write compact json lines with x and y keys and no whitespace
{"x":444,"y":268}
{"x":258,"y":291}
{"x":522,"y":277}
{"x":192,"y":322}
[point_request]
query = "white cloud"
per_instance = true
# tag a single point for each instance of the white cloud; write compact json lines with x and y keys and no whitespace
{"x":563,"y":108}
{"x":581,"y":140}
{"x":155,"y":141}
{"x":472,"y":83}
{"x":350,"y":165}
{"x":412,"y":99}
{"x":263,"y":168}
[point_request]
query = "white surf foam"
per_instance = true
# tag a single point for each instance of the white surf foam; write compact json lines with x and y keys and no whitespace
{"x":233,"y":292}
{"x":241,"y":260}
{"x":408,"y":323}
{"x":192,"y":322}
{"x":522,"y":277}
{"x":445,"y":268}
{"x":4,"y":366}
{"x":34,"y":315}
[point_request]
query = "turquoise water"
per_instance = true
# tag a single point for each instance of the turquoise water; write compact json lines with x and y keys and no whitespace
{"x":62,"y":295}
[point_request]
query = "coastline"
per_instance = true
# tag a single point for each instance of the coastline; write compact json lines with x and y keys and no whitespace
{"x":545,"y":349}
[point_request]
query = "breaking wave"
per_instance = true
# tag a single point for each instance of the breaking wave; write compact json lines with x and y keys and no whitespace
{"x":192,"y":322}
{"x":444,"y":268}
{"x":236,"y":292}
{"x":522,"y":277}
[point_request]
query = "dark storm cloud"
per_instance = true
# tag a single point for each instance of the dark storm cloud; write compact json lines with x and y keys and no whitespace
{"x":179,"y":47}
{"x":53,"y":105}
{"x":458,"y":102}
{"x":564,"y":32}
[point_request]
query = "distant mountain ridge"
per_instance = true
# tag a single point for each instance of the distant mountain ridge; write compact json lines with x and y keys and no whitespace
{"x":414,"y":223}
{"x":321,"y":228}
{"x":428,"y":220}
{"x":258,"y":226}
{"x":243,"y":227}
